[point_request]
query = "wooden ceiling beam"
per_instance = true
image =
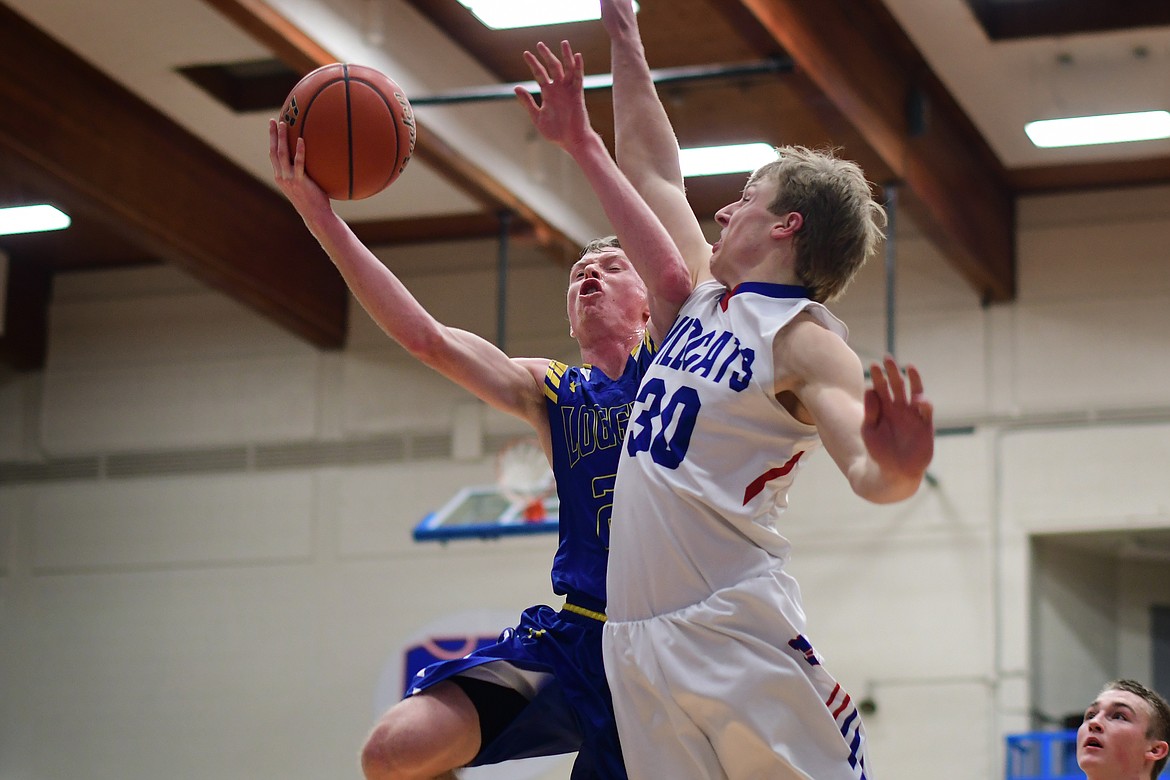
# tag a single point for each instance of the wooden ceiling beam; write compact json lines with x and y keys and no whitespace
{"x":104,"y":154}
{"x":302,"y":53}
{"x":1102,"y":175}
{"x":952,"y":185}
{"x":25,"y":319}
{"x":1050,"y":18}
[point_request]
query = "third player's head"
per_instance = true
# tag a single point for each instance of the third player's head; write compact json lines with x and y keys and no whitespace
{"x":830,"y":215}
{"x":1125,"y":733}
{"x":606,"y":296}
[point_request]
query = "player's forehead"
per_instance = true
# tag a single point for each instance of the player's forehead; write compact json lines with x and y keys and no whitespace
{"x":607,"y":255}
{"x":1115,"y":699}
{"x":763,"y":183}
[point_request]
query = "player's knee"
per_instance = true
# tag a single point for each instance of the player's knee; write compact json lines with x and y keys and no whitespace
{"x":381,"y":758}
{"x":424,"y":736}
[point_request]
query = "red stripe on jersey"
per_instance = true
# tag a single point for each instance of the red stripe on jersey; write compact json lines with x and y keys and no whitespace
{"x":758,"y":483}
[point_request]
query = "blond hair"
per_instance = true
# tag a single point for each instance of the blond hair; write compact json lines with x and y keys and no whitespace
{"x":600,"y":245}
{"x":843,"y":224}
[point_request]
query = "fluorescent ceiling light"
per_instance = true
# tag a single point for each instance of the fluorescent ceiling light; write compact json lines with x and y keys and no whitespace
{"x":509,"y":14}
{"x":738,"y":158}
{"x":1104,"y":129}
{"x":32,"y":219}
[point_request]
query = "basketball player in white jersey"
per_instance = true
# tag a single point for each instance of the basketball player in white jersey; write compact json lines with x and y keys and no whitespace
{"x":711,"y":672}
{"x":1125,"y":734}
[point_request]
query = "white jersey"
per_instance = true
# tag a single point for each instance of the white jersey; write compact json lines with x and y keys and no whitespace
{"x":711,"y":674}
{"x":708,"y":457}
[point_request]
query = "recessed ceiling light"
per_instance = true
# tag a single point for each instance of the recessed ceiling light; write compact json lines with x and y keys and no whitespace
{"x":736,"y":158}
{"x":510,"y":14}
{"x":32,"y":219}
{"x":1103,"y":129}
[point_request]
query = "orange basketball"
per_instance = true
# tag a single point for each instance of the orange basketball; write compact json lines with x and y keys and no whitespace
{"x":358,"y":129}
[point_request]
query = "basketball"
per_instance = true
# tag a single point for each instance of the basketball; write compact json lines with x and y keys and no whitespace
{"x":358,"y":128}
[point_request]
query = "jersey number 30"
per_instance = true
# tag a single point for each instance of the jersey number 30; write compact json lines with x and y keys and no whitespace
{"x":661,"y":426}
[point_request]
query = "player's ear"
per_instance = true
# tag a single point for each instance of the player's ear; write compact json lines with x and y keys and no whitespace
{"x":787,"y":224}
{"x":1157,"y":750}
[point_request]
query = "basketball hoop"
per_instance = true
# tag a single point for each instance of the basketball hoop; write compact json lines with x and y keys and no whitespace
{"x":524,"y":476}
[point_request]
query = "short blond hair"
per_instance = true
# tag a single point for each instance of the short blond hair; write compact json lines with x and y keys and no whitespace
{"x":600,"y":245}
{"x":843,"y":224}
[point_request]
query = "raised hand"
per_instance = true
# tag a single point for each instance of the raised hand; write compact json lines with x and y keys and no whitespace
{"x":898,"y":430}
{"x":560,"y":117}
{"x":288,"y":171}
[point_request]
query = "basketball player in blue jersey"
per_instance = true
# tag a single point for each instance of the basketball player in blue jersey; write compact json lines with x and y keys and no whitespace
{"x":541,"y":690}
{"x":710,"y":669}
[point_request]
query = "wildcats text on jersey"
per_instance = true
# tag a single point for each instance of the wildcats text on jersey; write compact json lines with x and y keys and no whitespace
{"x":715,"y":355}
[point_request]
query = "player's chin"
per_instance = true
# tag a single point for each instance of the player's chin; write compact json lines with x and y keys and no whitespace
{"x":1089,"y":755}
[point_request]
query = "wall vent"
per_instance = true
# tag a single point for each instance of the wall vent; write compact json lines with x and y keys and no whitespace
{"x":429,"y":446}
{"x":233,"y":459}
{"x":337,"y":453}
{"x":162,"y":463}
{"x":50,"y":471}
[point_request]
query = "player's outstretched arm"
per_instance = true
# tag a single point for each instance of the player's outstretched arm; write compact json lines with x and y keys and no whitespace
{"x":646,"y":147}
{"x":881,"y":438}
{"x":561,"y":118}
{"x":511,"y":385}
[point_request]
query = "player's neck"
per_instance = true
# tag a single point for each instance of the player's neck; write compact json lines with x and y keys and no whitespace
{"x":772,"y":268}
{"x":610,"y":355}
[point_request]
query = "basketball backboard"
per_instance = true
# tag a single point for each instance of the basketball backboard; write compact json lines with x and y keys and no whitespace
{"x":484,"y":512}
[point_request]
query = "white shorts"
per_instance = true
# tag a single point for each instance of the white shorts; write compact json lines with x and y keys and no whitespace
{"x":727,"y":688}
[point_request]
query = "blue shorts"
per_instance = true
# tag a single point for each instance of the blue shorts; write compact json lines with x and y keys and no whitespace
{"x":573,"y":712}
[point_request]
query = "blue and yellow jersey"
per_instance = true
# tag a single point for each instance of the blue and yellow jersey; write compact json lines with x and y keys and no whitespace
{"x":587,"y":414}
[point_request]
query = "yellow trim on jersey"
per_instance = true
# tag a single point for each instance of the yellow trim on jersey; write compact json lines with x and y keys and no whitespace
{"x":552,"y":378}
{"x":648,"y":343}
{"x":599,"y":616}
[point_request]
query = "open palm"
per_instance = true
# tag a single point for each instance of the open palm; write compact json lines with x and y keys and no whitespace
{"x":560,"y":117}
{"x":898,"y":430}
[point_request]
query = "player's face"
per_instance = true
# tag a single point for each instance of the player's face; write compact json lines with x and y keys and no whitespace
{"x":604,"y":288}
{"x":745,"y":234}
{"x":1112,"y":741}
